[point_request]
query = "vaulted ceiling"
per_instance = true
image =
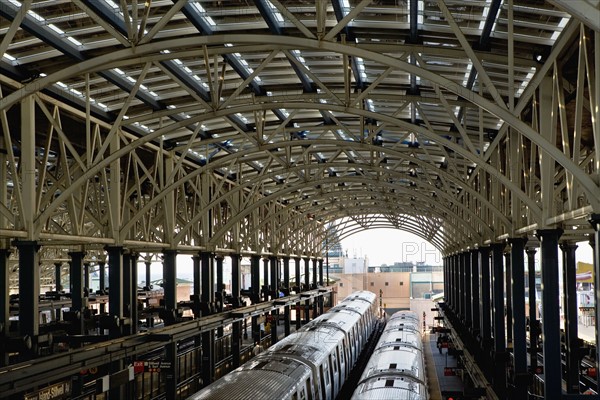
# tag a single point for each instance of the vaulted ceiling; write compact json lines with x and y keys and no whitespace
{"x":266,"y":125}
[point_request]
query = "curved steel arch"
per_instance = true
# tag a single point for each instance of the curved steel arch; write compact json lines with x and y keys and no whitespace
{"x":147,"y":138}
{"x":229,"y":224}
{"x":410,"y":229}
{"x":402,"y":192}
{"x":388,"y":172}
{"x":443,"y":238}
{"x":139,"y":53}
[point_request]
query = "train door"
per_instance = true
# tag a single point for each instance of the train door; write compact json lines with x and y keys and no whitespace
{"x":325,"y":381}
{"x":351,"y":345}
{"x":342,"y":357}
{"x":335,"y":372}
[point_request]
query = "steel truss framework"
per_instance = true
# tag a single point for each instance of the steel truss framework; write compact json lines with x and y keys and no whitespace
{"x":266,"y":126}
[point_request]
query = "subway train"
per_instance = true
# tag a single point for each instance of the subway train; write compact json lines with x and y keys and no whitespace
{"x":395,"y":370}
{"x":312,"y":363}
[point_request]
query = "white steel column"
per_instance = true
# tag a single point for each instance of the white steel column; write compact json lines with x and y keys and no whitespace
{"x":28,"y":163}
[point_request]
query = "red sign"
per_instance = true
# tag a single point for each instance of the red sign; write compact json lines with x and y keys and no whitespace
{"x":448,"y":371}
{"x":591,"y":372}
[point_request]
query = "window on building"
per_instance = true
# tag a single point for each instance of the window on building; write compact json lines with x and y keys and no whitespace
{"x":372,"y":283}
{"x":401,"y":283}
{"x":341,"y":284}
{"x":387,"y":284}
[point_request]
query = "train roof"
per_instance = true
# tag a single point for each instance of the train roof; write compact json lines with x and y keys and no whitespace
{"x":258,"y":379}
{"x":312,"y":346}
{"x":389,"y":387}
{"x":401,"y":336}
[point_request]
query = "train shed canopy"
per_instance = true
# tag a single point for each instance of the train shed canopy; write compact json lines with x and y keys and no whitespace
{"x":267,"y":126}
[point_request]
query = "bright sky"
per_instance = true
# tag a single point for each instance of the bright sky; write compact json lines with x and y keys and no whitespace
{"x":386,"y":246}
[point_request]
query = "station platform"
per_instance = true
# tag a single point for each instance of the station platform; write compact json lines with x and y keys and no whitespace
{"x":440,"y":368}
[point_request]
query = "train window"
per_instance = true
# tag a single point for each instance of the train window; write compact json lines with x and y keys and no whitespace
{"x":309,"y":389}
{"x":334,"y":363}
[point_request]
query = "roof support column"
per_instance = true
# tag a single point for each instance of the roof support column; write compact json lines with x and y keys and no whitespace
{"x":320,"y":261}
{"x":595,"y":222}
{"x":115,"y":289}
{"x":321,"y":298}
{"x":466,"y":260}
{"x":314,"y":286}
{"x":550,"y":312}
{"x":133,"y":312}
{"x":57,"y":287}
{"x":508,"y":295}
{"x":208,"y":337}
{"x":148,"y":265}
{"x":454,"y":287}
{"x":196,"y":259}
{"x":306,"y":287}
{"x":4,"y":304}
{"x":255,"y":292}
{"x":102,"y":283}
{"x":462,"y":289}
{"x":485,"y":299}
{"x":517,"y":261}
{"x":475,"y":314}
{"x":76,"y":289}
{"x":29,"y":290}
{"x":499,"y":377}
{"x":533,"y":321}
{"x":286,"y":283}
{"x":220,"y":292}
{"x":274,"y":295}
{"x":170,"y":281}
{"x":236,"y":330}
{"x":571,"y":316}
{"x":266,"y":286}
{"x":298,"y":289}
{"x":127,"y":295}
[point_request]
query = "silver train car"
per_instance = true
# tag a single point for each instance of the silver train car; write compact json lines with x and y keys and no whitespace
{"x":395,"y":370}
{"x":312,"y":363}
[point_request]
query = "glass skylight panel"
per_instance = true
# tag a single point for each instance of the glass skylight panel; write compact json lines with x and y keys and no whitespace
{"x":466,"y":78}
{"x":486,"y":11}
{"x":56,"y":29}
{"x":119,"y":71}
{"x":36,"y":16}
{"x":203,"y":14}
{"x":370,"y":106}
{"x":74,"y":41}
{"x":420,"y":10}
{"x":345,"y":6}
{"x":275,"y":12}
{"x":525,"y":82}
{"x":284,"y":112}
{"x":9,"y":57}
{"x":240,"y":116}
{"x":561,"y":25}
{"x":361,"y":68}
{"x":15,"y":3}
